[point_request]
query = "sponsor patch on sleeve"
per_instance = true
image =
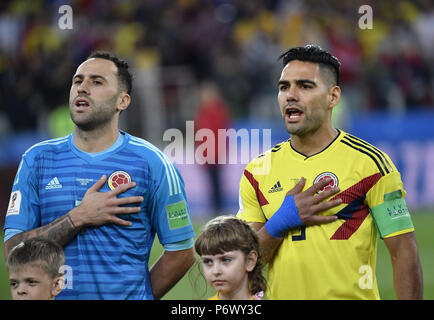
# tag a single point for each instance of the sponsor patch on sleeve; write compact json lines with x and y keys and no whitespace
{"x":392,"y":215}
{"x":177,"y":215}
{"x":14,"y":203}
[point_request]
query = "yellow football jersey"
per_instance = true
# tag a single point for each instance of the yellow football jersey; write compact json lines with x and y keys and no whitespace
{"x":335,"y":260}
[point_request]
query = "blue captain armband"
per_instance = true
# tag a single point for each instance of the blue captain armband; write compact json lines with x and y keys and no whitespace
{"x":286,"y":217}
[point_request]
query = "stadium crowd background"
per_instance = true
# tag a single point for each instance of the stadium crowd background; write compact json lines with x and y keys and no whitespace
{"x":174,"y":46}
{"x":236,"y":43}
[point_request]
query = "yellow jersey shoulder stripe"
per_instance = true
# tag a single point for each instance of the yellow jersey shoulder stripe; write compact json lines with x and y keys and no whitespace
{"x":375,"y":156}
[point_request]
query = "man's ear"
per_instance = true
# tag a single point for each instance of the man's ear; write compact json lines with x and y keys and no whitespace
{"x":58,"y":285}
{"x":124,"y":101}
{"x":334,"y":96}
{"x":251,"y":260}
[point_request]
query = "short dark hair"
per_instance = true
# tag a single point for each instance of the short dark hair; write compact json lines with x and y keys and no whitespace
{"x":124,"y":75}
{"x":43,"y":252}
{"x":315,"y":54}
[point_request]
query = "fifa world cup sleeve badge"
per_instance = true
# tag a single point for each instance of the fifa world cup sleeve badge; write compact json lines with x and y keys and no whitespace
{"x":14,"y":203}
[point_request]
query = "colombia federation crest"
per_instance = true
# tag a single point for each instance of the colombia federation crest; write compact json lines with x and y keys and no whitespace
{"x":117,"y":178}
{"x":333,"y":183}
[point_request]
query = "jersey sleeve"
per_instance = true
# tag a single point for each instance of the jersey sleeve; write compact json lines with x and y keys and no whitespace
{"x":23,"y":211}
{"x":170,"y":213}
{"x":249,"y":207}
{"x":386,"y":200}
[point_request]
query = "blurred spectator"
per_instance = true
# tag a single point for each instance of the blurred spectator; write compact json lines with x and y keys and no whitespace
{"x":59,"y":122}
{"x":213,"y":115}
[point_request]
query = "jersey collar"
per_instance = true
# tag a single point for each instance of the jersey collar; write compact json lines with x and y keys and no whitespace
{"x":91,"y":157}
{"x":330,"y":146}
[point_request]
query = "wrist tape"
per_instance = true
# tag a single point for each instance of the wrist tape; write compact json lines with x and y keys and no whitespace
{"x":286,"y":217}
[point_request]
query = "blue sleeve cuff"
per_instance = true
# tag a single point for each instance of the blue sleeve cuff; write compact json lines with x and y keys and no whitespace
{"x":180,"y":245}
{"x":9,"y":233}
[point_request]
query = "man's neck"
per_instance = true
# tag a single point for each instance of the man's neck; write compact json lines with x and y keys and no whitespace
{"x":311,"y":144}
{"x":96,"y":140}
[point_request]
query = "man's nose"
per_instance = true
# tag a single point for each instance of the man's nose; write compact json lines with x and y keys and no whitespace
{"x":83,"y":88}
{"x":292,"y":94}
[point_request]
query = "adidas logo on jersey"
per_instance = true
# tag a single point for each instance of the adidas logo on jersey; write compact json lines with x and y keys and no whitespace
{"x":276,"y":188}
{"x":53,"y":184}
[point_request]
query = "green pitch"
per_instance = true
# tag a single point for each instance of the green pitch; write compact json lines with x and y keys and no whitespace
{"x":193,"y":287}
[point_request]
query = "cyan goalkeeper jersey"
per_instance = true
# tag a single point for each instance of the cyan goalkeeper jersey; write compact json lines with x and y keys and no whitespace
{"x":109,"y":261}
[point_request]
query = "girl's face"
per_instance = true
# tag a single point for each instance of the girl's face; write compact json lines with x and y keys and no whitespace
{"x":228,"y":273}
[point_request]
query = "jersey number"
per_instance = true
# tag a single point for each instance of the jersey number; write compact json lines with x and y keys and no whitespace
{"x":301,"y":236}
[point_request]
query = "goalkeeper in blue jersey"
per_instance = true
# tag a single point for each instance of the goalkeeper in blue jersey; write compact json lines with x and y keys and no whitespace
{"x":103,"y":195}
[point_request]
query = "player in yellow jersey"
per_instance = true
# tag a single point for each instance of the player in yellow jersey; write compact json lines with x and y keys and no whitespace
{"x":333,"y":260}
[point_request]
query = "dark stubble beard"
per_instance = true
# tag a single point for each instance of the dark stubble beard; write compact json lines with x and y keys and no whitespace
{"x":101,"y":115}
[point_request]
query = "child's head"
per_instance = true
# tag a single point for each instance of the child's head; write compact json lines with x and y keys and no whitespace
{"x":229,"y":251}
{"x":34,"y":270}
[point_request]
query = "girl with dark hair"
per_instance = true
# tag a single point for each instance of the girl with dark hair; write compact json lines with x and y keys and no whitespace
{"x":231,"y":262}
